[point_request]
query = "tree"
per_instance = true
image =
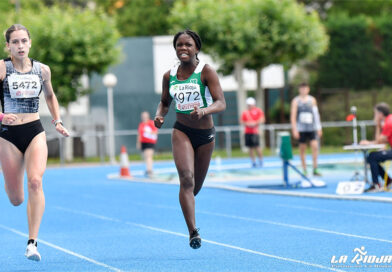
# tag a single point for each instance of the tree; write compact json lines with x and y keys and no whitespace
{"x":364,"y":7}
{"x":252,"y":33}
{"x":351,"y":7}
{"x":73,"y":42}
{"x":141,"y":17}
{"x":359,"y":53}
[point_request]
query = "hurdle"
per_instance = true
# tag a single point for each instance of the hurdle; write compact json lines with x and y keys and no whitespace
{"x":286,"y":154}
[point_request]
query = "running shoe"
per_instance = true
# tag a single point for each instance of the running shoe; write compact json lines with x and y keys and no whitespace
{"x":194,"y":239}
{"x":374,"y":188}
{"x":32,"y":251}
{"x":316,"y":173}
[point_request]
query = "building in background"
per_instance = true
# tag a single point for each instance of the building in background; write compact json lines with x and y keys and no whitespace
{"x":139,"y":73}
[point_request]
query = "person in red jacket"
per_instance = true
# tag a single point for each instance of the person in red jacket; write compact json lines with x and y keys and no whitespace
{"x":146,"y":140}
{"x":383,"y":121}
{"x":252,"y":118}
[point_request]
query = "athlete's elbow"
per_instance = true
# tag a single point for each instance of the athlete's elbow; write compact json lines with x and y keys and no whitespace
{"x":222,"y":106}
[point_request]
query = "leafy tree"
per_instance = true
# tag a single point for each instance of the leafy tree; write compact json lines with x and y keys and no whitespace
{"x":76,"y":42}
{"x":350,"y":7}
{"x":383,"y":43}
{"x":363,"y":7}
{"x":73,"y":42}
{"x":141,"y":17}
{"x":353,"y":59}
{"x":252,"y":33}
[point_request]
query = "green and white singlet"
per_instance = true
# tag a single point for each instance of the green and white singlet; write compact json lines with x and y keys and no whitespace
{"x":190,"y":92}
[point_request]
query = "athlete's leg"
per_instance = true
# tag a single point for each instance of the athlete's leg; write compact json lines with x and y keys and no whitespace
{"x":202,"y":162}
{"x":13,"y":170}
{"x":35,"y":157}
{"x":252,"y":154}
{"x":183,"y":154}
{"x":314,"y":147}
{"x":302,"y":150}
{"x":259,"y":152}
{"x":148,"y":154}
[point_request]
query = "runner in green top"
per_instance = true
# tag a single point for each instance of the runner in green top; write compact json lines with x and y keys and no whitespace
{"x":191,"y":92}
{"x":195,"y":88}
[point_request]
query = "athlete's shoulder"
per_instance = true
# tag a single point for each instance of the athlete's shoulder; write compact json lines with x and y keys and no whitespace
{"x":207,"y":68}
{"x":3,"y":69}
{"x":166,"y":75}
{"x":295,"y":99}
{"x":313,"y":99}
{"x":45,"y":71}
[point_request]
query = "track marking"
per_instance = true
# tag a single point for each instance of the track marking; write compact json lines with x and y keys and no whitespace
{"x":333,"y":211}
{"x":279,"y":224}
{"x":204,"y":240}
{"x":299,"y":194}
{"x":64,"y":250}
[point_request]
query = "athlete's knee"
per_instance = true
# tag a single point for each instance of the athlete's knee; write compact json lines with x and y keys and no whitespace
{"x":372,"y":157}
{"x":35,"y":183}
{"x":187,"y":180}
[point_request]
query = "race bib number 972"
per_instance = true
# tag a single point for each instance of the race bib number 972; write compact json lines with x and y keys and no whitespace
{"x":187,"y":96}
{"x":24,"y":86}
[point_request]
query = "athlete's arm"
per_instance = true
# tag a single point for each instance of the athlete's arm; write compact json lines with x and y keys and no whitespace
{"x":51,"y":99}
{"x":164,"y":104}
{"x":8,"y":118}
{"x":210,"y":79}
{"x":293,"y":118}
{"x":316,"y":115}
{"x":261,"y":119}
{"x":2,"y":70}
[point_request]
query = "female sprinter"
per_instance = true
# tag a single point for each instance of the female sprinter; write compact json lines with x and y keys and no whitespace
{"x":22,"y":137}
{"x":197,"y":93}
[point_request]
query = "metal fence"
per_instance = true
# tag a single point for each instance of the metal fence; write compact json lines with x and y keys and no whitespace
{"x":100,"y":137}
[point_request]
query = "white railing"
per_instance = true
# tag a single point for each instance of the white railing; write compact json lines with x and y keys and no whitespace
{"x":101,"y":136}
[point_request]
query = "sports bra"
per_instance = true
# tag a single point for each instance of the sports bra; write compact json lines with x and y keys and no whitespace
{"x":20,"y":91}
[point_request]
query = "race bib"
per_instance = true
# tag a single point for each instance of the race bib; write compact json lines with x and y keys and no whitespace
{"x":24,"y":86}
{"x":147,"y":133}
{"x":187,"y":96}
{"x":306,"y":118}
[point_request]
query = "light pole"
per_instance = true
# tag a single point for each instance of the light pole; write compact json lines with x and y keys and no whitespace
{"x":110,"y":80}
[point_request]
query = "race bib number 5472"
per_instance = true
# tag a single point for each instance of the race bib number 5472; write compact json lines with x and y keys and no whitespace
{"x":24,"y":86}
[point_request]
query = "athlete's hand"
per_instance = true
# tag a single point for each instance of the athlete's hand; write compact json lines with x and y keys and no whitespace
{"x":158,"y":121}
{"x":9,"y":118}
{"x":364,"y":142}
{"x":197,"y":113}
{"x":295,"y":134}
{"x":62,"y":130}
{"x":320,"y":133}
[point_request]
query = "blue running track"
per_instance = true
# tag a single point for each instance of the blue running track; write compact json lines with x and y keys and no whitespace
{"x":92,"y":223}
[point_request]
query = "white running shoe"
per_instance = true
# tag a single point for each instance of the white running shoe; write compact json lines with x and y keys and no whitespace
{"x":32,"y":252}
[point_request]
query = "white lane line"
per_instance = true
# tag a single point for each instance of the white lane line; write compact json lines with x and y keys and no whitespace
{"x":278,"y":224}
{"x":298,"y":227}
{"x":204,"y":240}
{"x":64,"y":250}
{"x":333,"y":211}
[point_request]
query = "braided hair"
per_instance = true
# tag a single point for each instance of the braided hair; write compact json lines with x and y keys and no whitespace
{"x":192,"y":34}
